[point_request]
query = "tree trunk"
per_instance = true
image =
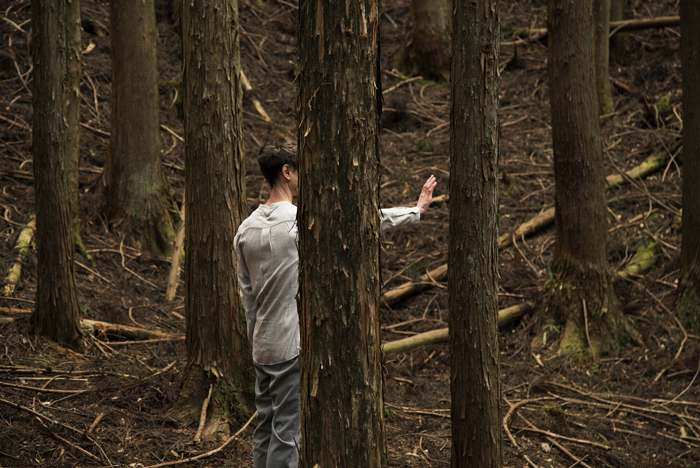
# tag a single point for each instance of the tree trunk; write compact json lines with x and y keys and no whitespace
{"x":137,"y":199}
{"x":218,"y":350}
{"x":688,"y":308}
{"x":620,"y":41}
{"x":57,"y":312}
{"x":472,"y":273}
{"x":426,"y":49}
{"x":582,"y":292}
{"x":601,"y":15}
{"x":341,"y":371}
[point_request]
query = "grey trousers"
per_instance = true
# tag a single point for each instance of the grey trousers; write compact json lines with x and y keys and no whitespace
{"x":278,"y":435}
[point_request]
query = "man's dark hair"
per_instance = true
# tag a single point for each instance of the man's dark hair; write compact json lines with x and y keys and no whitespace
{"x":273,"y":157}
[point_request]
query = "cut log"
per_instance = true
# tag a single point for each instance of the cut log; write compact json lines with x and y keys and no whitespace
{"x":22,"y":247}
{"x":538,"y":223}
{"x":505,"y":317}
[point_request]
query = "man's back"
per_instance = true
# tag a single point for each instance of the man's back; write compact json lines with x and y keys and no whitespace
{"x":267,"y":273}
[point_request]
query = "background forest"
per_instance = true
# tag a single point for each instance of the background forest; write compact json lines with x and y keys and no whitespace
{"x":113,"y":404}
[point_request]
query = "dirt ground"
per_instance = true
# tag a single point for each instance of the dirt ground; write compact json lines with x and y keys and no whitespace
{"x":640,"y":409}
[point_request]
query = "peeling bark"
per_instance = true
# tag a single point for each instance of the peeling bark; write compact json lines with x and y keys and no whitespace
{"x":341,"y":373}
{"x":472,"y":272}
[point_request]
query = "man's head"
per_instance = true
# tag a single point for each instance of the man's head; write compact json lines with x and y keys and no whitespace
{"x":274,"y":156}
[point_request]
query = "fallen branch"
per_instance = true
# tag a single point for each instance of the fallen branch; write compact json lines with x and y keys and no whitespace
{"x":505,"y":317}
{"x":538,"y":34}
{"x":175,"y":265}
{"x":22,"y":247}
{"x":644,"y":258}
{"x":536,"y":224}
{"x":124,"y":331}
{"x":258,"y":107}
{"x":210,"y":453}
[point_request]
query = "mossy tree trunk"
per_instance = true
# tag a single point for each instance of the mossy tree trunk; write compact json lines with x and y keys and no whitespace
{"x":341,"y":373}
{"x":426,"y":48}
{"x":601,"y":15}
{"x":218,"y":350}
{"x":137,"y":198}
{"x":55,"y":131}
{"x":582,"y":293}
{"x":473,"y":242}
{"x":688,"y":308}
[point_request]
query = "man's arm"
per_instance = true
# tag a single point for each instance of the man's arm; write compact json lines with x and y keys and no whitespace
{"x":394,"y":217}
{"x":249,"y":303}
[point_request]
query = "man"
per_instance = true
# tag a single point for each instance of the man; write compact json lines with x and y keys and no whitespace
{"x":266,"y":248}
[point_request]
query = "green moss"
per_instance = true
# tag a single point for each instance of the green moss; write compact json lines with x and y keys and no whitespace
{"x":646,"y":256}
{"x":425,"y":148}
{"x":556,"y":412}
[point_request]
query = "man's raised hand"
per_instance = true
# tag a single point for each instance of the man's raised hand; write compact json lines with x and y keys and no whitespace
{"x":426,"y":195}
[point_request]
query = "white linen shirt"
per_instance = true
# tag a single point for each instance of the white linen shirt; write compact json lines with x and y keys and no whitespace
{"x":268,"y":259}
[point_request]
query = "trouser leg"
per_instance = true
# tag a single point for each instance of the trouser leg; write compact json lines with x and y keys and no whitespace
{"x":263,"y":403}
{"x":277,"y":437}
{"x":286,"y":423}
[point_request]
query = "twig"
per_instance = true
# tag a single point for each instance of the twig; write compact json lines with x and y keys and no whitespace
{"x":203,"y":416}
{"x":96,"y":422}
{"x":39,"y":415}
{"x":204,"y":455}
{"x":588,"y":336}
{"x":80,"y":449}
{"x":569,"y":454}
{"x":530,"y":462}
{"x":42,"y":390}
{"x":93,"y":272}
{"x":578,"y":441}
{"x":121,"y":251}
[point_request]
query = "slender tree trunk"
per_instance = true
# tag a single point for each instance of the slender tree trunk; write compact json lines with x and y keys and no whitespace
{"x":218,"y":351}
{"x":426,"y":48}
{"x":601,"y":14}
{"x":582,"y":294}
{"x":619,"y":42}
{"x":136,"y":194}
{"x":57,"y":312}
{"x":341,"y":371}
{"x":689,"y":283}
{"x":472,"y":271}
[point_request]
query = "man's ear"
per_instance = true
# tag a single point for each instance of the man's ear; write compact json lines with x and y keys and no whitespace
{"x":287,"y":172}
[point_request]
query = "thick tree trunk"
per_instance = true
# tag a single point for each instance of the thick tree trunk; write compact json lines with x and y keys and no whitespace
{"x":218,"y":351}
{"x":341,"y":371}
{"x":582,"y":293}
{"x":57,"y":313}
{"x":619,"y":42}
{"x":472,"y":273}
{"x":426,"y":49}
{"x":601,"y":15}
{"x":689,"y":282}
{"x":137,"y":199}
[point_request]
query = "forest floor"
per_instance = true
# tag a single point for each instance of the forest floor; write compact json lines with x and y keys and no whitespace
{"x":640,"y":409}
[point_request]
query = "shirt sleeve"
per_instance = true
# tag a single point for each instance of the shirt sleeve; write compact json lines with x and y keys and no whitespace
{"x":394,"y":217}
{"x":250,"y":305}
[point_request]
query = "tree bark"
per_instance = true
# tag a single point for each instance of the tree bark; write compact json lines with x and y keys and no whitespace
{"x":601,"y":13}
{"x":688,"y":308}
{"x":620,"y":41}
{"x":426,"y":49}
{"x":57,"y":312}
{"x":583,"y":283}
{"x":472,"y":273}
{"x":218,"y":350}
{"x":340,"y":360}
{"x":137,"y":199}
